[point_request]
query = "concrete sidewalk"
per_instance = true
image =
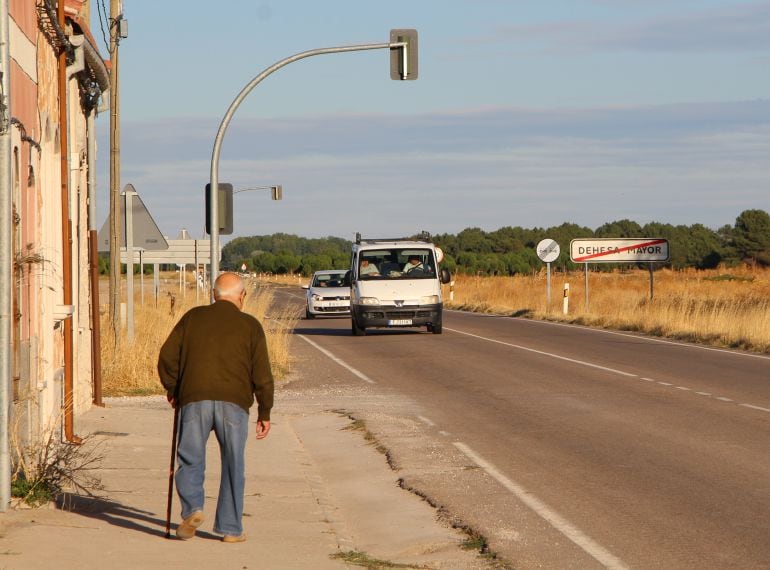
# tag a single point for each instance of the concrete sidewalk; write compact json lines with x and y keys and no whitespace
{"x":313,"y":490}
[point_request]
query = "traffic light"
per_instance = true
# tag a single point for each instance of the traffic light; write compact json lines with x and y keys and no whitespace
{"x":225,"y":209}
{"x":403,"y":59}
{"x":277,"y":192}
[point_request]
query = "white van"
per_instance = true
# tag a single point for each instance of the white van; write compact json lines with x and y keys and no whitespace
{"x":396,"y":283}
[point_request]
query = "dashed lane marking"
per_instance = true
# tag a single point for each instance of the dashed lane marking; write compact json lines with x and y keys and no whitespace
{"x":618,"y":333}
{"x":613,"y":370}
{"x":760,"y":408}
{"x":426,"y":421}
{"x":590,"y":546}
{"x":552,"y":355}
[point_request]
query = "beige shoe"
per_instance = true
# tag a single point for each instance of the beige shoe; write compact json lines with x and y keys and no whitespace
{"x":187,"y":528}
{"x":232,"y":538}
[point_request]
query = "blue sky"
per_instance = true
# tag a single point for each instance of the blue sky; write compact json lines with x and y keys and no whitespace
{"x":526,"y":113}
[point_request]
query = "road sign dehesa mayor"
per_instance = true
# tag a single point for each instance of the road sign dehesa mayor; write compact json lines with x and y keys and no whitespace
{"x":618,"y":250}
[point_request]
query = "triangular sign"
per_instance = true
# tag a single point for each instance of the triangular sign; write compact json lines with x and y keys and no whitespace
{"x":146,"y":233}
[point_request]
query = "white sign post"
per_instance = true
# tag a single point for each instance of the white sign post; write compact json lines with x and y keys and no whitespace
{"x":548,"y":250}
{"x":619,"y":250}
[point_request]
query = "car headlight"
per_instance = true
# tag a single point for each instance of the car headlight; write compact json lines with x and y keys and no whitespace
{"x":317,"y":297}
{"x":429,"y":300}
{"x":369,"y":301}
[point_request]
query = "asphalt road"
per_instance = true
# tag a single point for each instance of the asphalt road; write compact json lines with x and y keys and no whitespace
{"x":567,"y":447}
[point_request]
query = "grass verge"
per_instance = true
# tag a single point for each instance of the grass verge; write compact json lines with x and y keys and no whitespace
{"x":717,"y":308}
{"x":130,"y":369}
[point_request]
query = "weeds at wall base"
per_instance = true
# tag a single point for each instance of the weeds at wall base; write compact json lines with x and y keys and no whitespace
{"x":33,"y":493}
{"x":46,"y":469}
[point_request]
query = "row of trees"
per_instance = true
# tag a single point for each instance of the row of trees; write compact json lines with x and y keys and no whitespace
{"x":511,"y":250}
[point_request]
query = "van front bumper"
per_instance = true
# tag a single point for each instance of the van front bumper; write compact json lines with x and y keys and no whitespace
{"x":395,"y":317}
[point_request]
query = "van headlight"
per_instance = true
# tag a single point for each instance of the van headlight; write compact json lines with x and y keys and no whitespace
{"x":369,"y":301}
{"x":317,"y":297}
{"x":429,"y":300}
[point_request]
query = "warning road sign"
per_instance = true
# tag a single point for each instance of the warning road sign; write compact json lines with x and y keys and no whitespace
{"x":618,"y":250}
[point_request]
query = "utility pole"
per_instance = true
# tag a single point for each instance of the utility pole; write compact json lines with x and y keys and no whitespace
{"x":6,"y":260}
{"x":115,"y":14}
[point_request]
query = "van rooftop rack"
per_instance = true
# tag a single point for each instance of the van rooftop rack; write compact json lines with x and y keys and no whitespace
{"x":422,"y":236}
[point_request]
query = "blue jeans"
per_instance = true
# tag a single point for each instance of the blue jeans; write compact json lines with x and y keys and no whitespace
{"x":230,"y":423}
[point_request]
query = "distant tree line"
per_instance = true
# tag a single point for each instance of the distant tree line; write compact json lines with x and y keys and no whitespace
{"x":511,"y":250}
{"x":286,"y":253}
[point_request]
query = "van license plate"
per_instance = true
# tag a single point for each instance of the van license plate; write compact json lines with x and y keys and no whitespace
{"x":400,"y":322}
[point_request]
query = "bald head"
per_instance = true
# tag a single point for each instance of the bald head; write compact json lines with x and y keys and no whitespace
{"x":229,"y":287}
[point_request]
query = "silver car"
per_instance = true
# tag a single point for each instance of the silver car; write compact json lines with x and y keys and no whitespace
{"x":326,"y":294}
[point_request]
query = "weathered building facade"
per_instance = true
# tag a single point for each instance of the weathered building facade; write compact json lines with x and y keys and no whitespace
{"x":57,"y":81}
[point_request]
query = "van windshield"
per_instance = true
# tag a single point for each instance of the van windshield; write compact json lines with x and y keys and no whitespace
{"x":397,"y":263}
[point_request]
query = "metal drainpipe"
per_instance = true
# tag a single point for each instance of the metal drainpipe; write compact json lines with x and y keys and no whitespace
{"x":69,"y":431}
{"x":6,"y":261}
{"x":96,"y":356}
{"x":93,"y":256}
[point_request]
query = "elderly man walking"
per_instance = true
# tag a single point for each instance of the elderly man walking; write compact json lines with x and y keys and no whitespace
{"x":213,"y":365}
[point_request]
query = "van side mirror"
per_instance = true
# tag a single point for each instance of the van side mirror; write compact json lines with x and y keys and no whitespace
{"x":445,"y":276}
{"x":347,"y":278}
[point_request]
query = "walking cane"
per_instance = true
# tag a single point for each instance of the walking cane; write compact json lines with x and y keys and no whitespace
{"x":171,"y":472}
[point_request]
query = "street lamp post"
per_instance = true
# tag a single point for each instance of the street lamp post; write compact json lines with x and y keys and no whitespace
{"x":404,"y":72}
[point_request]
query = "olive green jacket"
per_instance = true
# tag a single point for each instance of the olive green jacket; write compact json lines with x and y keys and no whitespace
{"x":217,"y":352}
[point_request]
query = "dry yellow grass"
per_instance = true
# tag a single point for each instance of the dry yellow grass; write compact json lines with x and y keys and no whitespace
{"x":729,"y":308}
{"x":131,"y":370}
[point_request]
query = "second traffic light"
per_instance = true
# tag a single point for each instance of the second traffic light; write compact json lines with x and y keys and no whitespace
{"x":277,"y":192}
{"x":403,"y":59}
{"x":224,"y":208}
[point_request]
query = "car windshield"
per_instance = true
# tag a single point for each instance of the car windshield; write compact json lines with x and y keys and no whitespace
{"x":328,"y":279}
{"x":397,"y":263}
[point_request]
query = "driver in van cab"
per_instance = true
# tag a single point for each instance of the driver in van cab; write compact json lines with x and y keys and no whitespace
{"x":368,"y":268}
{"x":413,"y":263}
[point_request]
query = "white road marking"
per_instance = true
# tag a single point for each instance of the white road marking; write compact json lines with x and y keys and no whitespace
{"x":618,"y":333}
{"x":760,"y":408}
{"x":339,"y":361}
{"x":442,"y":432}
{"x":590,"y":546}
{"x":552,"y":355}
{"x":425,"y":420}
{"x":614,"y":370}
